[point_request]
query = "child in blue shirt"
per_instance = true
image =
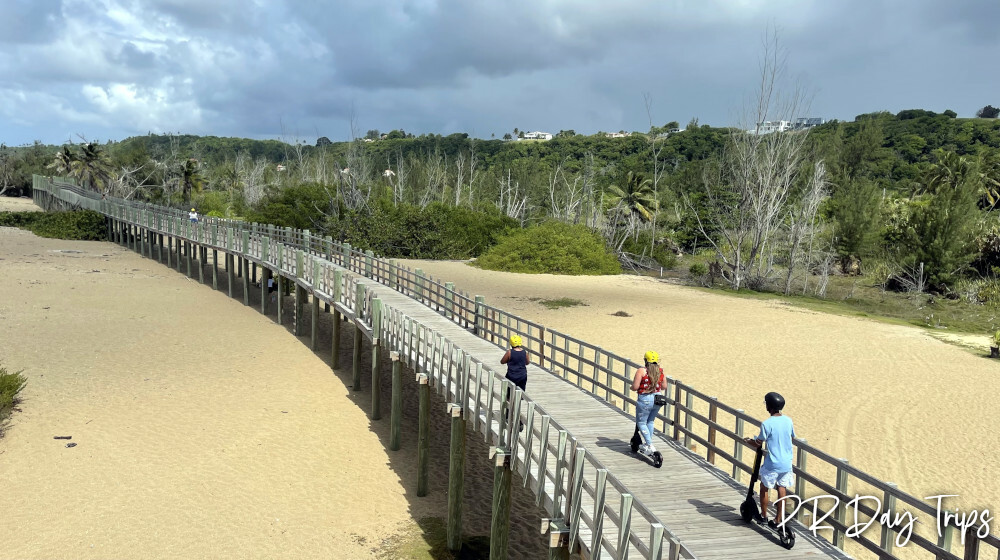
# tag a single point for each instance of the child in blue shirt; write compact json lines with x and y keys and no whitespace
{"x":776,"y":471}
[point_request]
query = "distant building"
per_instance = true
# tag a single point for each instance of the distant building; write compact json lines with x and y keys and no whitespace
{"x":800,"y":123}
{"x":767,"y":127}
{"x":280,"y":167}
{"x":536,"y":136}
{"x":807,"y":122}
{"x":618,"y":134}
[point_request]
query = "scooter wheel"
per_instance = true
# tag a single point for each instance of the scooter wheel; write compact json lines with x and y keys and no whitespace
{"x":787,"y":539}
{"x":745,"y":512}
{"x":657,"y":459}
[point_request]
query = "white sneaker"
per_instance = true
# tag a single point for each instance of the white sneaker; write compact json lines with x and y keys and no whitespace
{"x":650,"y":449}
{"x":643,"y":449}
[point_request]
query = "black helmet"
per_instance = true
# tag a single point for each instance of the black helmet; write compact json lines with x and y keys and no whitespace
{"x":774,"y":402}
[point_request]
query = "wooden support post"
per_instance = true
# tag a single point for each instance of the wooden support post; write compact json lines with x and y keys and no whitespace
{"x":500,"y":525}
{"x":357,"y":358}
{"x":423,"y":433}
{"x":480,"y":319}
{"x":800,"y":482}
{"x":713,"y":415}
{"x":280,"y":299}
{"x":449,"y":299}
{"x":625,"y":526}
{"x":688,"y":404}
{"x":889,"y":504}
{"x":558,"y":539}
{"x":300,"y":294}
{"x":392,"y":275}
{"x":201,"y":265}
{"x":420,"y":285}
{"x":456,"y":477}
{"x":230,"y":277}
{"x":971,"y":546}
{"x":170,"y":251}
{"x":396,"y":414}
{"x":187,"y":249}
{"x":841,"y":515}
{"x":738,"y":451}
{"x":180,"y":252}
{"x":245,"y":281}
{"x":376,"y":322}
{"x":338,"y":277}
{"x":677,"y":410}
{"x":215,"y":269}
{"x":265,"y":298}
{"x":314,"y":325}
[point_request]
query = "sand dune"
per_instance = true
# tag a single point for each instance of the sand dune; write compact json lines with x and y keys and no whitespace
{"x":202,"y":428}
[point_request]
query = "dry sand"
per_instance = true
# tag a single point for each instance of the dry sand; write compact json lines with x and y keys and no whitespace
{"x":203,"y":428}
{"x":900,"y":404}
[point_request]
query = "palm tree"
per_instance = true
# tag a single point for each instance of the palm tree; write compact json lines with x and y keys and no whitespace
{"x":189,"y":178}
{"x":635,"y":193}
{"x":91,"y":167}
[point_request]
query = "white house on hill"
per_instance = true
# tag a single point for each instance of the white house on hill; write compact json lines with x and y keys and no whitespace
{"x":536,"y":136}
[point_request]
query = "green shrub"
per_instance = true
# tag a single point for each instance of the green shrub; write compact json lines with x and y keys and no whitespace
{"x":437,"y":231}
{"x":10,"y":385}
{"x":85,"y":225}
{"x":553,"y":248}
{"x":664,"y":250}
{"x":698,"y":269}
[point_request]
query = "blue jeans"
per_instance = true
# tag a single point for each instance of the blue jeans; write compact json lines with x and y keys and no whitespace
{"x":645,"y":416}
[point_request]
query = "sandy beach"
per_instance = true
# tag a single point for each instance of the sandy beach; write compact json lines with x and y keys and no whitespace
{"x":896,"y":402}
{"x":203,"y":429}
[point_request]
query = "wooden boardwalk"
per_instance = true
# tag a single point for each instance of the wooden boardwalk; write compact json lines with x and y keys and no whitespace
{"x":697,"y":502}
{"x":573,"y":453}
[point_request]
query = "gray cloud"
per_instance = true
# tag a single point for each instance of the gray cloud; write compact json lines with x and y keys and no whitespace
{"x":112,"y":68}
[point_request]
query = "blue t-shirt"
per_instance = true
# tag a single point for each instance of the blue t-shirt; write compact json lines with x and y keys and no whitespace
{"x":778,"y":432}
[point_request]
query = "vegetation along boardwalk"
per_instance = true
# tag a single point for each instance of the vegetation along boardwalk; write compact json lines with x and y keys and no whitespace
{"x":573,"y":451}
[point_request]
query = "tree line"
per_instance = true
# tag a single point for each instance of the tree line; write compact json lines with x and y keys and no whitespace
{"x":912,"y":192}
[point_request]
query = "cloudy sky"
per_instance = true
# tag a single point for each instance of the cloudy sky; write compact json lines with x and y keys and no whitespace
{"x":298,"y":69}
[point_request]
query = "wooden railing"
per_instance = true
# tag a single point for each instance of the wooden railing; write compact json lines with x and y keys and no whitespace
{"x":690,"y":416}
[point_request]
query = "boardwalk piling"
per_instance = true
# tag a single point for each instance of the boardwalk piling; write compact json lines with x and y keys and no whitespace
{"x":279,"y":297}
{"x":500,"y":526}
{"x":265,"y":298}
{"x":396,"y":414}
{"x":215,"y":269}
{"x":230,"y":278}
{"x":456,"y":477}
{"x":300,"y":294}
{"x":558,"y":539}
{"x":357,"y":359}
{"x":423,"y":433}
{"x":338,"y":277}
{"x":376,"y":322}
{"x":314,"y":326}
{"x":245,"y":281}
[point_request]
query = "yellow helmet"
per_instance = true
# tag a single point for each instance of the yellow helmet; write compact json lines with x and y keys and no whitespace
{"x":652,"y":357}
{"x":192,"y":209}
{"x":515,"y":341}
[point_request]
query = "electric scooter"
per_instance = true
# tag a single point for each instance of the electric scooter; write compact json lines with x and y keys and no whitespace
{"x":749,"y":509}
{"x":636,"y":442}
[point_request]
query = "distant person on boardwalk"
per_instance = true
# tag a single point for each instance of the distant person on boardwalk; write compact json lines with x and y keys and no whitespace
{"x":193,"y":215}
{"x":517,"y":361}
{"x":647,"y":382}
{"x":776,"y":471}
